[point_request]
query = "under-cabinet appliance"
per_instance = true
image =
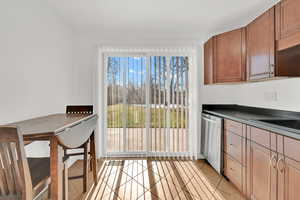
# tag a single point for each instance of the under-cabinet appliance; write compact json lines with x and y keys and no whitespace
{"x":212,"y":140}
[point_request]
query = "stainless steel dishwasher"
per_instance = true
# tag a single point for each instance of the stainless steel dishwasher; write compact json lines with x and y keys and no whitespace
{"x":212,"y":140}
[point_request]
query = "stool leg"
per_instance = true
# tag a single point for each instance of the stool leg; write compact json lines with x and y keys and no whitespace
{"x":93,"y":157}
{"x":90,"y":157}
{"x":85,"y":168}
{"x":91,"y":162}
{"x":66,"y":181}
{"x":49,"y":191}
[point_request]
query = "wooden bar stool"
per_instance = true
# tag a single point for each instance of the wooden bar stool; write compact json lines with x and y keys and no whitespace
{"x":88,"y":149}
{"x":20,"y":178}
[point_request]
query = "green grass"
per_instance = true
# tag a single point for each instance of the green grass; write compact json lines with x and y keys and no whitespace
{"x":136,"y":117}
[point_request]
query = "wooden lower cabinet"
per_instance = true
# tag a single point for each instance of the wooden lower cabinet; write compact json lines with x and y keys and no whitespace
{"x":233,"y":146}
{"x":263,"y":166}
{"x":273,"y":175}
{"x":288,"y":179}
{"x":235,"y":127}
{"x":235,"y":154}
{"x":234,"y":171}
{"x":261,"y":176}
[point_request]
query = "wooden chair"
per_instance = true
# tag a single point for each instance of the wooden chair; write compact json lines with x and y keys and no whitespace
{"x":20,"y":178}
{"x":86,"y":151}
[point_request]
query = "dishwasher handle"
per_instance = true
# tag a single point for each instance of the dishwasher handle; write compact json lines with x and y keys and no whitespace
{"x":209,"y":120}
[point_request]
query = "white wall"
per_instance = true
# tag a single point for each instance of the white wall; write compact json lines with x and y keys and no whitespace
{"x":85,"y":53}
{"x":35,"y":63}
{"x":256,"y":94}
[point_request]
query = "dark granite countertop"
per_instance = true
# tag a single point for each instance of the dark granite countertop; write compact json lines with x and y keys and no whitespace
{"x":253,"y":115}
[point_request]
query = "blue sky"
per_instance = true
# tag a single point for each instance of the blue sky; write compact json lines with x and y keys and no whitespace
{"x":136,"y":68}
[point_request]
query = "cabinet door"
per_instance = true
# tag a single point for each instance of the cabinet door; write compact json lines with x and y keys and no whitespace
{"x":288,"y":23}
{"x":260,"y":173}
{"x":261,"y":46}
{"x":208,"y":61}
{"x":288,"y":179}
{"x":230,"y":56}
{"x":289,"y":17}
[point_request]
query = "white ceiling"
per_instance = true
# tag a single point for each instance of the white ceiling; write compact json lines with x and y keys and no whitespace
{"x":157,"y":19}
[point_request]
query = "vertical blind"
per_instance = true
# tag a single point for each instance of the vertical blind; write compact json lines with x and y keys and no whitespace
{"x":147,"y":105}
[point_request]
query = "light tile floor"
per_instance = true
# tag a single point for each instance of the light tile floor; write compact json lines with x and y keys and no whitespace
{"x":159,"y":179}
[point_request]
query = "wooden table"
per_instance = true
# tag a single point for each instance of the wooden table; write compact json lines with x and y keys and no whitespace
{"x":62,"y":130}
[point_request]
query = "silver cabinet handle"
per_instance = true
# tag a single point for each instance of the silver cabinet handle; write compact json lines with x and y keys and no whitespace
{"x":272,"y":70}
{"x":273,"y":161}
{"x":281,"y":169}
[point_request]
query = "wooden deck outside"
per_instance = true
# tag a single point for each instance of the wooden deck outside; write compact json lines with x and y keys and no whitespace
{"x":136,"y":139}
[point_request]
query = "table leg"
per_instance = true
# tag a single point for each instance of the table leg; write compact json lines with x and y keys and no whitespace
{"x":56,"y":170}
{"x":93,"y":155}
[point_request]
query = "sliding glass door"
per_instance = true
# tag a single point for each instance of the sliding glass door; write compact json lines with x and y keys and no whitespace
{"x":147,"y":105}
{"x":126,"y":104}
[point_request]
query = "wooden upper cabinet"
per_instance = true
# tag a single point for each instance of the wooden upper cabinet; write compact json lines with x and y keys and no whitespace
{"x":230,"y":56}
{"x":287,"y":24}
{"x":261,"y":46}
{"x":268,"y":47}
{"x":209,"y":61}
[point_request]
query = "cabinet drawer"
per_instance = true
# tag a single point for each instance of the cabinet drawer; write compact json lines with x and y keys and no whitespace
{"x":234,"y":127}
{"x":233,"y":145}
{"x":233,"y":171}
{"x":259,"y":136}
